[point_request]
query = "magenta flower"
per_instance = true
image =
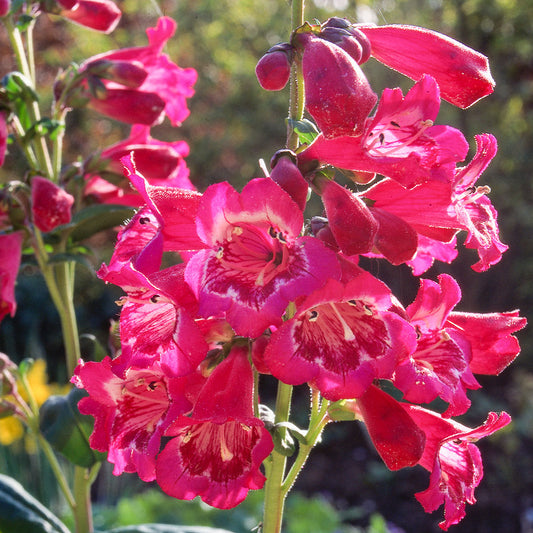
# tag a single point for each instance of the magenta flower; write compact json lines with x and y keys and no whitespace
{"x":440,"y":364}
{"x":3,"y":137}
{"x":453,"y":460}
{"x":443,"y":363}
{"x":161,"y":163}
{"x":474,"y":210}
{"x":99,"y":15}
{"x":341,"y":338}
{"x":131,"y":411}
{"x":217,"y":452}
{"x":167,"y":83}
{"x":337,"y":93}
{"x":255,"y":263}
{"x":398,"y":440}
{"x":51,"y":205}
{"x":399,"y":141}
{"x":10,"y":253}
{"x":463,"y":74}
{"x":157,"y":323}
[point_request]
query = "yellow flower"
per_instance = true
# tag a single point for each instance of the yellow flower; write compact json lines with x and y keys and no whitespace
{"x":11,"y":428}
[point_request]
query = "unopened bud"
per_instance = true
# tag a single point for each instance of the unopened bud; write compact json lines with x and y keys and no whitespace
{"x":287,"y":175}
{"x":129,"y":73}
{"x":5,"y":6}
{"x":273,"y":70}
{"x":343,"y":33}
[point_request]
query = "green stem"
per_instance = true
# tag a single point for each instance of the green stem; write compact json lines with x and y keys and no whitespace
{"x":296,"y":97}
{"x":316,"y":425}
{"x":275,"y":468}
{"x":82,"y":494}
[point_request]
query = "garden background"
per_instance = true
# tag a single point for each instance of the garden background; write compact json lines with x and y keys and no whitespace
{"x":233,"y":123}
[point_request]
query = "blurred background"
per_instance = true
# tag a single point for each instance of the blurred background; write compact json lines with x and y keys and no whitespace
{"x":233,"y":124}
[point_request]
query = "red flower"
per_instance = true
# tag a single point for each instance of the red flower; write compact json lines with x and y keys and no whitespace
{"x":453,"y":460}
{"x":399,"y":141}
{"x":255,"y":263}
{"x":161,"y":163}
{"x":165,"y":88}
{"x":462,"y":74}
{"x":51,"y":205}
{"x":217,"y":452}
{"x":131,"y":411}
{"x":10,"y":252}
{"x":341,"y":338}
{"x":99,"y":15}
{"x":3,"y":137}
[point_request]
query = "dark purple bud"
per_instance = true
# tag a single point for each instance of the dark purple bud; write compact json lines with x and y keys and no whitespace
{"x":273,"y":70}
{"x":286,"y":174}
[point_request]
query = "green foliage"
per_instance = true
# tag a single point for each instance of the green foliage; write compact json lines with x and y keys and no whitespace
{"x":67,"y":430}
{"x":20,"y":512}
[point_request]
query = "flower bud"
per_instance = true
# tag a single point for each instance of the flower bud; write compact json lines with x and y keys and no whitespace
{"x":343,"y":33}
{"x":350,"y":220}
{"x":337,"y":93}
{"x":274,"y":68}
{"x":321,"y":230}
{"x":286,"y":174}
{"x":128,"y":73}
{"x":5,"y":6}
{"x":51,"y":205}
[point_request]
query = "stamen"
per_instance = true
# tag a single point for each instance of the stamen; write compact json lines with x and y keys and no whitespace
{"x":348,"y":333}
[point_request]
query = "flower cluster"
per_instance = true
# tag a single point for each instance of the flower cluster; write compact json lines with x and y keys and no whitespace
{"x":259,"y":290}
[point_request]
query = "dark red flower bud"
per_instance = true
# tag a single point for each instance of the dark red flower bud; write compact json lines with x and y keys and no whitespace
{"x":321,"y":230}
{"x":286,"y":174}
{"x":51,"y":205}
{"x":337,"y":93}
{"x":343,"y":33}
{"x":5,"y":6}
{"x":350,"y":220}
{"x":128,"y":73}
{"x":274,"y":68}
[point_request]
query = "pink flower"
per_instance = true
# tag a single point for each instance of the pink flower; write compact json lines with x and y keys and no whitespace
{"x":399,"y":141}
{"x":167,"y":83}
{"x":161,"y":163}
{"x":453,"y":460}
{"x":398,"y":440}
{"x":157,"y":322}
{"x":217,"y":452}
{"x":255,"y":263}
{"x":440,"y":364}
{"x":462,"y":74}
{"x":337,"y":93}
{"x":10,"y":253}
{"x":341,"y":338}
{"x":99,"y":15}
{"x":3,"y":137}
{"x":474,"y":210}
{"x":452,"y":346}
{"x":131,"y":411}
{"x":51,"y":205}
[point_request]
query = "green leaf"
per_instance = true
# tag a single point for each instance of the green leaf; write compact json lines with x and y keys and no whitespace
{"x":307,"y":132}
{"x":24,"y":22}
{"x":342,"y":411}
{"x":166,"y":528}
{"x":45,"y":127}
{"x":20,"y":512}
{"x":67,"y":430}
{"x":96,"y":218}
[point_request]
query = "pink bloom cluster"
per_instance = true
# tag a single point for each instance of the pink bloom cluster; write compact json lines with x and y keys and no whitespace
{"x":257,"y":288}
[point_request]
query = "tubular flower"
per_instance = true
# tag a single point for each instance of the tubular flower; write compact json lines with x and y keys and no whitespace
{"x":217,"y":452}
{"x":340,"y":339}
{"x":399,"y":141}
{"x":463,"y":74}
{"x":337,"y":93}
{"x":475,"y":212}
{"x":453,"y":460}
{"x":161,"y":163}
{"x":10,"y":253}
{"x":165,"y":88}
{"x":255,"y":263}
{"x":51,"y":205}
{"x":131,"y":411}
{"x":443,"y":363}
{"x":99,"y":15}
